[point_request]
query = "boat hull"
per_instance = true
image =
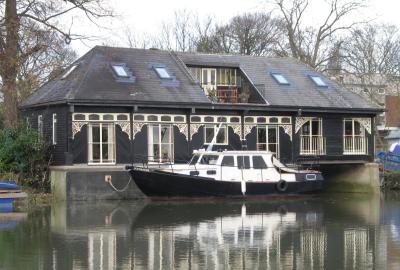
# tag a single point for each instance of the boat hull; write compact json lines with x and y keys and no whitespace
{"x":9,"y":186}
{"x":167,"y":184}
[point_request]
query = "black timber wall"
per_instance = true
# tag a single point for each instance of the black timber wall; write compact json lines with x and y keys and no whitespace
{"x":332,"y":126}
{"x":136,"y":149}
{"x":58,"y":150}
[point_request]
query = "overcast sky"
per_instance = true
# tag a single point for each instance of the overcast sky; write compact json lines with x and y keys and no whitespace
{"x":146,"y":16}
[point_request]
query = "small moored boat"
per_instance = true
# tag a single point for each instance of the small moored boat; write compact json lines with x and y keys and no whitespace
{"x":225,"y":173}
{"x":9,"y":191}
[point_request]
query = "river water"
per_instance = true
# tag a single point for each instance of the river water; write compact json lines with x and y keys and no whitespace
{"x":324,"y":232}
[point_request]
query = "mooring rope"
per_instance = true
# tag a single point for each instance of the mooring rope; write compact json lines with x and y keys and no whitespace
{"x":120,"y":190}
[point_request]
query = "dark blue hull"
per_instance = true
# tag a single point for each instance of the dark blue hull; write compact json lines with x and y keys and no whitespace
{"x":167,"y":184}
{"x":9,"y":186}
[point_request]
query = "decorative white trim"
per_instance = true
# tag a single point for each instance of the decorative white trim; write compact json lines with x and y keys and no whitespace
{"x":237,"y":129}
{"x":158,"y":118}
{"x":100,"y":116}
{"x":76,"y":127}
{"x":267,"y":120}
{"x":125,"y":127}
{"x":300,"y":121}
{"x":137,"y":127}
{"x":183,"y":128}
{"x":194,"y":128}
{"x":365,"y":122}
{"x":247,"y":130}
{"x":288,"y":130}
{"x":215,"y":117}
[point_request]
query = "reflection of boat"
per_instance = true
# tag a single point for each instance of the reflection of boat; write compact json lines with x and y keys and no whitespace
{"x":162,"y":214}
{"x":225,"y":173}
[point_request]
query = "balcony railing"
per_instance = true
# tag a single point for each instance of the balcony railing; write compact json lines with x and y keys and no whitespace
{"x":355,"y":145}
{"x":227,"y":95}
{"x":312,"y":145}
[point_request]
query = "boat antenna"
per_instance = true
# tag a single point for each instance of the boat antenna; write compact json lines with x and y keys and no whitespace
{"x":210,"y":146}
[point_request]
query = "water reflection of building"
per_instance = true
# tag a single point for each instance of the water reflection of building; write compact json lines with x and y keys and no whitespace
{"x":102,"y":250}
{"x":249,"y":241}
{"x":212,"y":236}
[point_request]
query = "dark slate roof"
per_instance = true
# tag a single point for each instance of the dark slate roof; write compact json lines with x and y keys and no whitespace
{"x":302,"y":91}
{"x":93,"y":80}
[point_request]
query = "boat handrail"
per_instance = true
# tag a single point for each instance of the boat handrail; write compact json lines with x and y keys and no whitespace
{"x":148,"y":162}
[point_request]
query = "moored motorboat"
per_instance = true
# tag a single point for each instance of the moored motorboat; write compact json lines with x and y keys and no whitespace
{"x":223,"y":174}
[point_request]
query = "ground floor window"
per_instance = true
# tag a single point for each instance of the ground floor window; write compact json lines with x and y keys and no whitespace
{"x":160,"y":143}
{"x":268,"y":138}
{"x":354,"y":140}
{"x":220,"y":130}
{"x":101,"y":137}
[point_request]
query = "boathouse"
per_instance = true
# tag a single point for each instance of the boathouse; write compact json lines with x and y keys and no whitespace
{"x":116,"y":106}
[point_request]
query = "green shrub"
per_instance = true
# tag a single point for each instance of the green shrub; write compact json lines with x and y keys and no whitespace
{"x":25,"y":155}
{"x":391,"y":181}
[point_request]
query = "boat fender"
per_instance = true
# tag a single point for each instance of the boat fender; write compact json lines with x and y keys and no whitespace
{"x":282,"y":185}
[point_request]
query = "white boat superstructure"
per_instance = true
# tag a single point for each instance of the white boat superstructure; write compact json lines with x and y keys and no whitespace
{"x":249,"y":166}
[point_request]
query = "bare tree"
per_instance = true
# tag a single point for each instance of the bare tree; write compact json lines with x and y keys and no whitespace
{"x":311,"y":44}
{"x":250,"y":34}
{"x":254,"y":33}
{"x":373,"y":49}
{"x":183,"y":30}
{"x":34,"y":17}
{"x":372,"y":56}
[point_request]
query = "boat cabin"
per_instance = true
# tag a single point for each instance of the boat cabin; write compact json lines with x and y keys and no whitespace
{"x":257,"y":166}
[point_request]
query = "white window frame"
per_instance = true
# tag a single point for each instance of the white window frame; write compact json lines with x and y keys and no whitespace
{"x":308,"y":141}
{"x":54,"y":126}
{"x":360,"y":140}
{"x":150,"y":142}
{"x":40,"y":125}
{"x":109,"y":161}
{"x":215,"y":127}
{"x":267,"y":143}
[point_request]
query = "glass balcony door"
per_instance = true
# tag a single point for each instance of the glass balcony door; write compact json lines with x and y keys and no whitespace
{"x":268,"y":139}
{"x":312,"y":141}
{"x":101,"y":140}
{"x":209,"y":79}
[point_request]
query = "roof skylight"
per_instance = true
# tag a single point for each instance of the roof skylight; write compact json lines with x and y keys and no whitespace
{"x":279,"y":78}
{"x":318,"y":80}
{"x":120,"y":71}
{"x":69,"y":71}
{"x":162,"y":73}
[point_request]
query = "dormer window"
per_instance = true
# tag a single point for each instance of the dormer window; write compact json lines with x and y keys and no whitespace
{"x":162,"y":73}
{"x":318,"y":81}
{"x":69,"y":71}
{"x":279,"y":78}
{"x":120,"y":71}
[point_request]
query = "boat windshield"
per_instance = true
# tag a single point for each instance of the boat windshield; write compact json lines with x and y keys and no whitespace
{"x":194,"y":159}
{"x":277,"y":163}
{"x":281,"y":166}
{"x":208,"y":159}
